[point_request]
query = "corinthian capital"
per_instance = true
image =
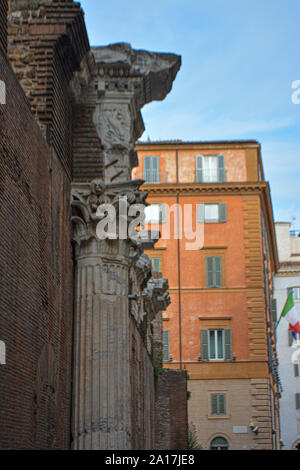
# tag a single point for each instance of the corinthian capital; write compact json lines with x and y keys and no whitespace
{"x":87,"y":198}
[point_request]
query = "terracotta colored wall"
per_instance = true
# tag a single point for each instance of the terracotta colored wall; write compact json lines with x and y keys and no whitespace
{"x":235,"y":164}
{"x":197,"y":300}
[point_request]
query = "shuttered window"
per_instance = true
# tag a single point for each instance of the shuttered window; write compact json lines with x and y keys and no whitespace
{"x":210,"y":169}
{"x":166,"y":346}
{"x":216,"y":345}
{"x":211,"y":213}
{"x":218,"y":404}
{"x":151,"y":169}
{"x":274,"y":310}
{"x":297,"y":370}
{"x":156,"y":265}
{"x":214,"y":276}
{"x":298,"y":401}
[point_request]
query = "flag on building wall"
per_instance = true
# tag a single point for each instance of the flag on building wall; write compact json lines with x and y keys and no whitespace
{"x":289,"y":312}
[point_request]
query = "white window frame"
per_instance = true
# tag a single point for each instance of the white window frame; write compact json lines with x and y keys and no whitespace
{"x":216,"y":359}
{"x":160,"y":216}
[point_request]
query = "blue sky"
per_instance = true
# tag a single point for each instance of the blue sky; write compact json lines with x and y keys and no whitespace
{"x":239,"y":59}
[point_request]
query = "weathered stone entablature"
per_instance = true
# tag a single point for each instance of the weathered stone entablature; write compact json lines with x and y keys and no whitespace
{"x":125,"y":80}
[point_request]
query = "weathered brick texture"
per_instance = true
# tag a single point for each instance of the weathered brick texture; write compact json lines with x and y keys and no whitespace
{"x":47,"y":43}
{"x":35,"y":283}
{"x":3,"y":25}
{"x":171,"y":411}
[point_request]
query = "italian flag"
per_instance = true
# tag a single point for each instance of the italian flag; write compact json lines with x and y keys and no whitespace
{"x":289,"y":312}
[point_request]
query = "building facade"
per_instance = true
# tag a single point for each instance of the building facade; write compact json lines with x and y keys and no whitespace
{"x":76,"y":310}
{"x":287,"y":279}
{"x":220,"y":324}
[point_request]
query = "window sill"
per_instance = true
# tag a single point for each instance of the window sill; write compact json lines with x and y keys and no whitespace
{"x":218,"y":417}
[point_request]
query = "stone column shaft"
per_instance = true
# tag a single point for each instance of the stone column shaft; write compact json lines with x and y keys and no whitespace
{"x":101,"y":375}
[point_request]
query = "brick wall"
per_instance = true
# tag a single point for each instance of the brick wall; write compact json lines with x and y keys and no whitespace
{"x":47,"y":43}
{"x":3,"y":25}
{"x":171,"y":411}
{"x":36,"y":281}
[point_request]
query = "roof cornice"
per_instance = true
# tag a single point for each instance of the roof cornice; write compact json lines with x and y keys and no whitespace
{"x":188,"y":189}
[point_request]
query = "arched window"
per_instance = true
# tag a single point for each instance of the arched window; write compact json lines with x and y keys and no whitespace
{"x":219,"y":443}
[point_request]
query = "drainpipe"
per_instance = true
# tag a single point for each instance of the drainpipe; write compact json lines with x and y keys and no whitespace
{"x":179,"y":263}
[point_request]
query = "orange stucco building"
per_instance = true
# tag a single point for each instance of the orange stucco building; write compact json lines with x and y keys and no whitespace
{"x":220,"y":324}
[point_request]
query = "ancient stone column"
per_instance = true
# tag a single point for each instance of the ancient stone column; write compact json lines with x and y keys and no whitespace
{"x":101,"y":385}
{"x":112,"y":278}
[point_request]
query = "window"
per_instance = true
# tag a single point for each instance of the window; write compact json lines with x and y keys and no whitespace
{"x":297,"y":370}
{"x":155,"y":214}
{"x":218,"y":404}
{"x":273,"y":306}
{"x":295,"y":291}
{"x":298,"y":401}
{"x":219,"y":443}
{"x":151,"y":169}
{"x":214,"y":275}
{"x":216,"y":345}
{"x":210,"y":169}
{"x":166,"y":346}
{"x":209,"y":213}
{"x":156,"y":265}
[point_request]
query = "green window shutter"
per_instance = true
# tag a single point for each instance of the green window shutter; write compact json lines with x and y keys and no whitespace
{"x":210,"y":271}
{"x":147,"y":169}
{"x":201,"y":213}
{"x":214,"y":404}
{"x":221,"y":169}
{"x":155,"y":169}
{"x":222,"y":404}
{"x":162,"y":213}
{"x":214,"y":276}
{"x":297,"y":370}
{"x":218,"y":271}
{"x":218,"y":404}
{"x":204,"y":345}
{"x":274,"y":310}
{"x":151,"y":169}
{"x":166,"y":346}
{"x":228,"y":345}
{"x":199,"y":169}
{"x":222,"y":213}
